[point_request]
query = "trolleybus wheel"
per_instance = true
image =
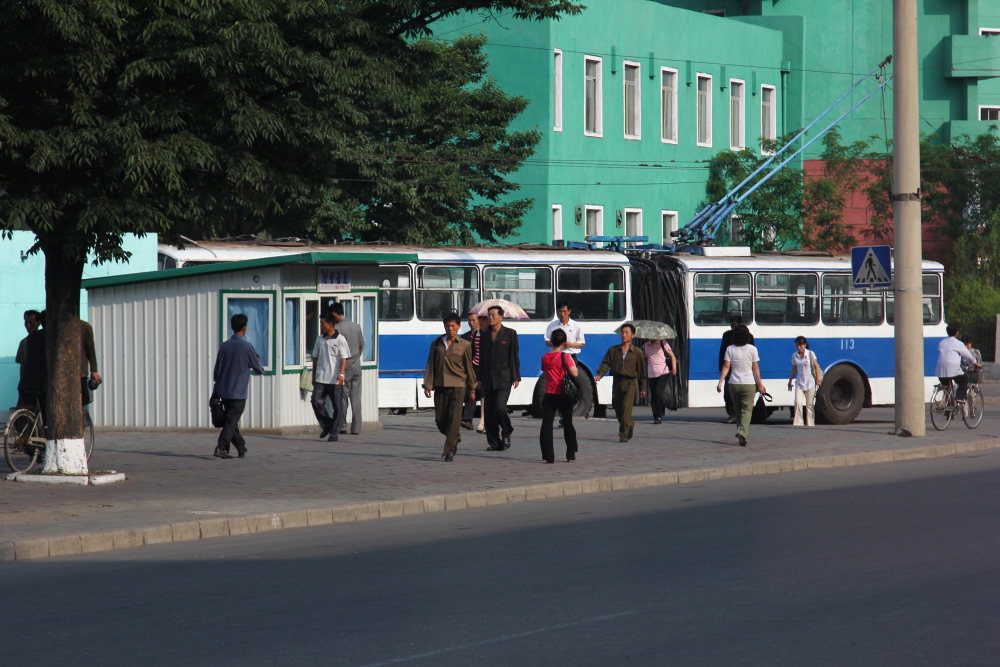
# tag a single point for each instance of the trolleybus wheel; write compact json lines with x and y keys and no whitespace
{"x":841,"y":396}
{"x":583,"y":405}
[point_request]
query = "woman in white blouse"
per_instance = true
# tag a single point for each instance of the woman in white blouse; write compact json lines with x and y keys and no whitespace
{"x":744,"y":383}
{"x":807,"y":377}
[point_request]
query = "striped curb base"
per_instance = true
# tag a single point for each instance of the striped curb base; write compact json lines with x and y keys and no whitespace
{"x":260,"y":523}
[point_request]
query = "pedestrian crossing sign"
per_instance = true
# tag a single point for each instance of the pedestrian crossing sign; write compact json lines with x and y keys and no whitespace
{"x":871,"y":266}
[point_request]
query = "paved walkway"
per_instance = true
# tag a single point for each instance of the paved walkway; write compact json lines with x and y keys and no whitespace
{"x":172,"y":477}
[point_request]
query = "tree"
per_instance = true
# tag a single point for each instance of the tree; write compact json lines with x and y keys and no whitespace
{"x":141,"y":116}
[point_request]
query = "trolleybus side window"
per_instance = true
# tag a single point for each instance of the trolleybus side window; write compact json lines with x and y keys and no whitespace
{"x":593,"y":293}
{"x":932,"y":301}
{"x":530,"y":288}
{"x":719,"y":296}
{"x":446,"y":289}
{"x":842,"y":304}
{"x":787,"y":298}
{"x":395,"y":295}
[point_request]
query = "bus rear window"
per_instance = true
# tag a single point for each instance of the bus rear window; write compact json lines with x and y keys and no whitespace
{"x":720,"y":296}
{"x":593,"y":294}
{"x":787,"y":298}
{"x":931,"y":303}
{"x":395,"y":294}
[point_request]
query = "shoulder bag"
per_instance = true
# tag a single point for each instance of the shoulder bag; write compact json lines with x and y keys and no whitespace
{"x":570,"y":388}
{"x":217,"y":409}
{"x":817,"y":371}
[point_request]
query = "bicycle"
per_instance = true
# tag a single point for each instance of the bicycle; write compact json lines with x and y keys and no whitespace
{"x":943,"y":406}
{"x":24,"y":438}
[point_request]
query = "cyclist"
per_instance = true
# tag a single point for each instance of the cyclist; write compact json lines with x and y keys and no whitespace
{"x":951,"y":353}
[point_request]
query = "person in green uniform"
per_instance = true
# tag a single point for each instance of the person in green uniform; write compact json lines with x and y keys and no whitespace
{"x":627,"y":364}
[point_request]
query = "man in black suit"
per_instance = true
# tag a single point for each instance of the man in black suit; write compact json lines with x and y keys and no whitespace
{"x":500,"y":368}
{"x":474,"y":336}
{"x":727,"y":340}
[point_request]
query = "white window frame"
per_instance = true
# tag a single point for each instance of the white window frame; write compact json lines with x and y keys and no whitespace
{"x":271,"y":297}
{"x":600,"y":219}
{"x":557,"y":103}
{"x":697,"y":94}
{"x":625,"y":213}
{"x":638,"y":101}
{"x":599,"y":93}
{"x":987,"y":106}
{"x":286,"y":297}
{"x":774,"y":114}
{"x":742,"y":143}
{"x":665,"y":236}
{"x":989,"y":32}
{"x":557,"y":226}
{"x":673,"y":129}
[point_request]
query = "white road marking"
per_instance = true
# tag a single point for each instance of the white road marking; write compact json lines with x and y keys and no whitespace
{"x":462,"y":647}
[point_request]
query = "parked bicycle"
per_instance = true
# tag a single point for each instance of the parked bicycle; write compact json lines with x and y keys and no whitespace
{"x":24,"y":439}
{"x":944,"y":407}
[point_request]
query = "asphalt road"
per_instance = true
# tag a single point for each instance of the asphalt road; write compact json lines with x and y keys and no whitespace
{"x":895,"y":564}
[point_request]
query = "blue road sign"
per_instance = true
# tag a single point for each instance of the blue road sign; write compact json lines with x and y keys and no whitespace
{"x":871,"y":266}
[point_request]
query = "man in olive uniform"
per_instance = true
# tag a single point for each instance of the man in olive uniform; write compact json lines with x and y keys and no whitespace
{"x":450,"y":374}
{"x":627,"y":364}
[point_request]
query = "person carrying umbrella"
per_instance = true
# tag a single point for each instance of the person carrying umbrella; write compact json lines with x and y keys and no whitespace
{"x":657,"y":353}
{"x":627,"y":364}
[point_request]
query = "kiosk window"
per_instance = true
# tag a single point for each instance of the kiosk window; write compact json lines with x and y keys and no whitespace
{"x":720,"y":296}
{"x":787,"y":298}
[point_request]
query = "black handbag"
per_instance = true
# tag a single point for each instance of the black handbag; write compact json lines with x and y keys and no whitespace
{"x":760,"y":411}
{"x":217,"y":409}
{"x":570,"y":388}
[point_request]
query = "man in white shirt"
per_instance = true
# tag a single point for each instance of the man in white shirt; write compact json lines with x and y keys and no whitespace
{"x":951,"y":352}
{"x":330,"y":355}
{"x":574,"y":332}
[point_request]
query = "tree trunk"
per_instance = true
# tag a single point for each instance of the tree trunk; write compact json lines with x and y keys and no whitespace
{"x":65,"y":451}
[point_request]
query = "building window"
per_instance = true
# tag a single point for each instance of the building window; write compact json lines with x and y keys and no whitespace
{"x":595,"y":220}
{"x":714,"y":12}
{"x":368,"y":327}
{"x":446,"y":289}
{"x":744,"y":10}
{"x":787,"y":298}
{"x":768,"y":118}
{"x":842,"y":304}
{"x":633,"y":114}
{"x":258,"y":306}
{"x":719,"y":296}
{"x":593,"y":124}
{"x":529,"y":288}
{"x":557,"y":100}
{"x":704,"y":110}
{"x":668,"y":105}
{"x":593,"y":293}
{"x":557,"y":232}
{"x":737,"y":234}
{"x":293,"y":356}
{"x":736,"y":126}
{"x":989,"y":32}
{"x":395,"y":294}
{"x":633,"y":223}
{"x":989,"y":113}
{"x":668,"y":221}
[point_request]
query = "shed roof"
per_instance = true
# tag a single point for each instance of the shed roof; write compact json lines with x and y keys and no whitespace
{"x":352,"y":257}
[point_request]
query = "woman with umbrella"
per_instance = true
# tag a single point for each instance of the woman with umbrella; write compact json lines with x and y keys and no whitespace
{"x":657,"y":352}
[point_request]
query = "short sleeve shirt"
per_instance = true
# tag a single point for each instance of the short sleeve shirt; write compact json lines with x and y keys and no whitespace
{"x":804,"y":379}
{"x":328,"y":352}
{"x":574,"y":334}
{"x":656,"y":358}
{"x":552,"y":366}
{"x":741,"y":362}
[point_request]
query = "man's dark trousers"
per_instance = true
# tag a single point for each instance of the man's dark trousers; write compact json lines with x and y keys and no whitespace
{"x":470,"y":405}
{"x":231,"y":426}
{"x":448,"y":415}
{"x":334,"y":392}
{"x":622,"y":399}
{"x":496,"y":416}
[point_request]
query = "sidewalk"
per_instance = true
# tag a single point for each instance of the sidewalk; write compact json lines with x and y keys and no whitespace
{"x":172,"y":478}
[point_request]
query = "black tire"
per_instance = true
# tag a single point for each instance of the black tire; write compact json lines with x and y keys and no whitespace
{"x":940,"y":414}
{"x":583,"y":404}
{"x":841,"y":396}
{"x":18,"y":449}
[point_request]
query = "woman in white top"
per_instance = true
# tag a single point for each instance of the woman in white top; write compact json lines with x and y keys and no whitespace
{"x":805,"y":372}
{"x":744,"y":383}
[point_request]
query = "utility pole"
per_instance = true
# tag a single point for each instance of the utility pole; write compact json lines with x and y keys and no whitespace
{"x":907,"y":286}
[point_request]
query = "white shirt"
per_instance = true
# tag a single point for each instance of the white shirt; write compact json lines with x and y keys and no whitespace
{"x":741,"y":362}
{"x":804,"y":378}
{"x":574,"y":334}
{"x":328,"y":352}
{"x":951,"y":351}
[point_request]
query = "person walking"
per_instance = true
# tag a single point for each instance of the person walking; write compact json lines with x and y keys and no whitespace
{"x":740,"y":365}
{"x":727,"y":340}
{"x":657,"y":353}
{"x":555,"y":365}
{"x":806,"y":374}
{"x":951,"y":354}
{"x":355,"y":338}
{"x":330,"y":355}
{"x":236,"y":358}
{"x":474,"y":337}
{"x":500,"y":371}
{"x":452,"y":377}
{"x":627,"y":364}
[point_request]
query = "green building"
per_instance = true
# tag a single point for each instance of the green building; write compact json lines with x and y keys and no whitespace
{"x":635,"y":96}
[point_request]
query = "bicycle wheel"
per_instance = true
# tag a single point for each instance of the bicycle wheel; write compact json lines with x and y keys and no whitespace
{"x":974,"y":406}
{"x":88,"y":434}
{"x":19,"y":450}
{"x":940,"y":414}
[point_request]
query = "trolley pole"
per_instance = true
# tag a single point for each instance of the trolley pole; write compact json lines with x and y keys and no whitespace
{"x":909,"y":330}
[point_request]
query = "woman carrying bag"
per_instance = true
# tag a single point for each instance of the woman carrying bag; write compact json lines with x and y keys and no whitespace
{"x":556,"y":365}
{"x":807,"y":377}
{"x":657,"y":352}
{"x":744,"y":383}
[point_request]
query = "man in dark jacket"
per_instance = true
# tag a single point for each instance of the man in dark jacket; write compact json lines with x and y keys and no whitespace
{"x":236,"y":358}
{"x":727,"y":340}
{"x":499,"y":371}
{"x":34,"y":367}
{"x":475,"y":336}
{"x":450,"y":375}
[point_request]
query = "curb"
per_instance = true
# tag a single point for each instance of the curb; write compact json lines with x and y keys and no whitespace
{"x":259,"y":523}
